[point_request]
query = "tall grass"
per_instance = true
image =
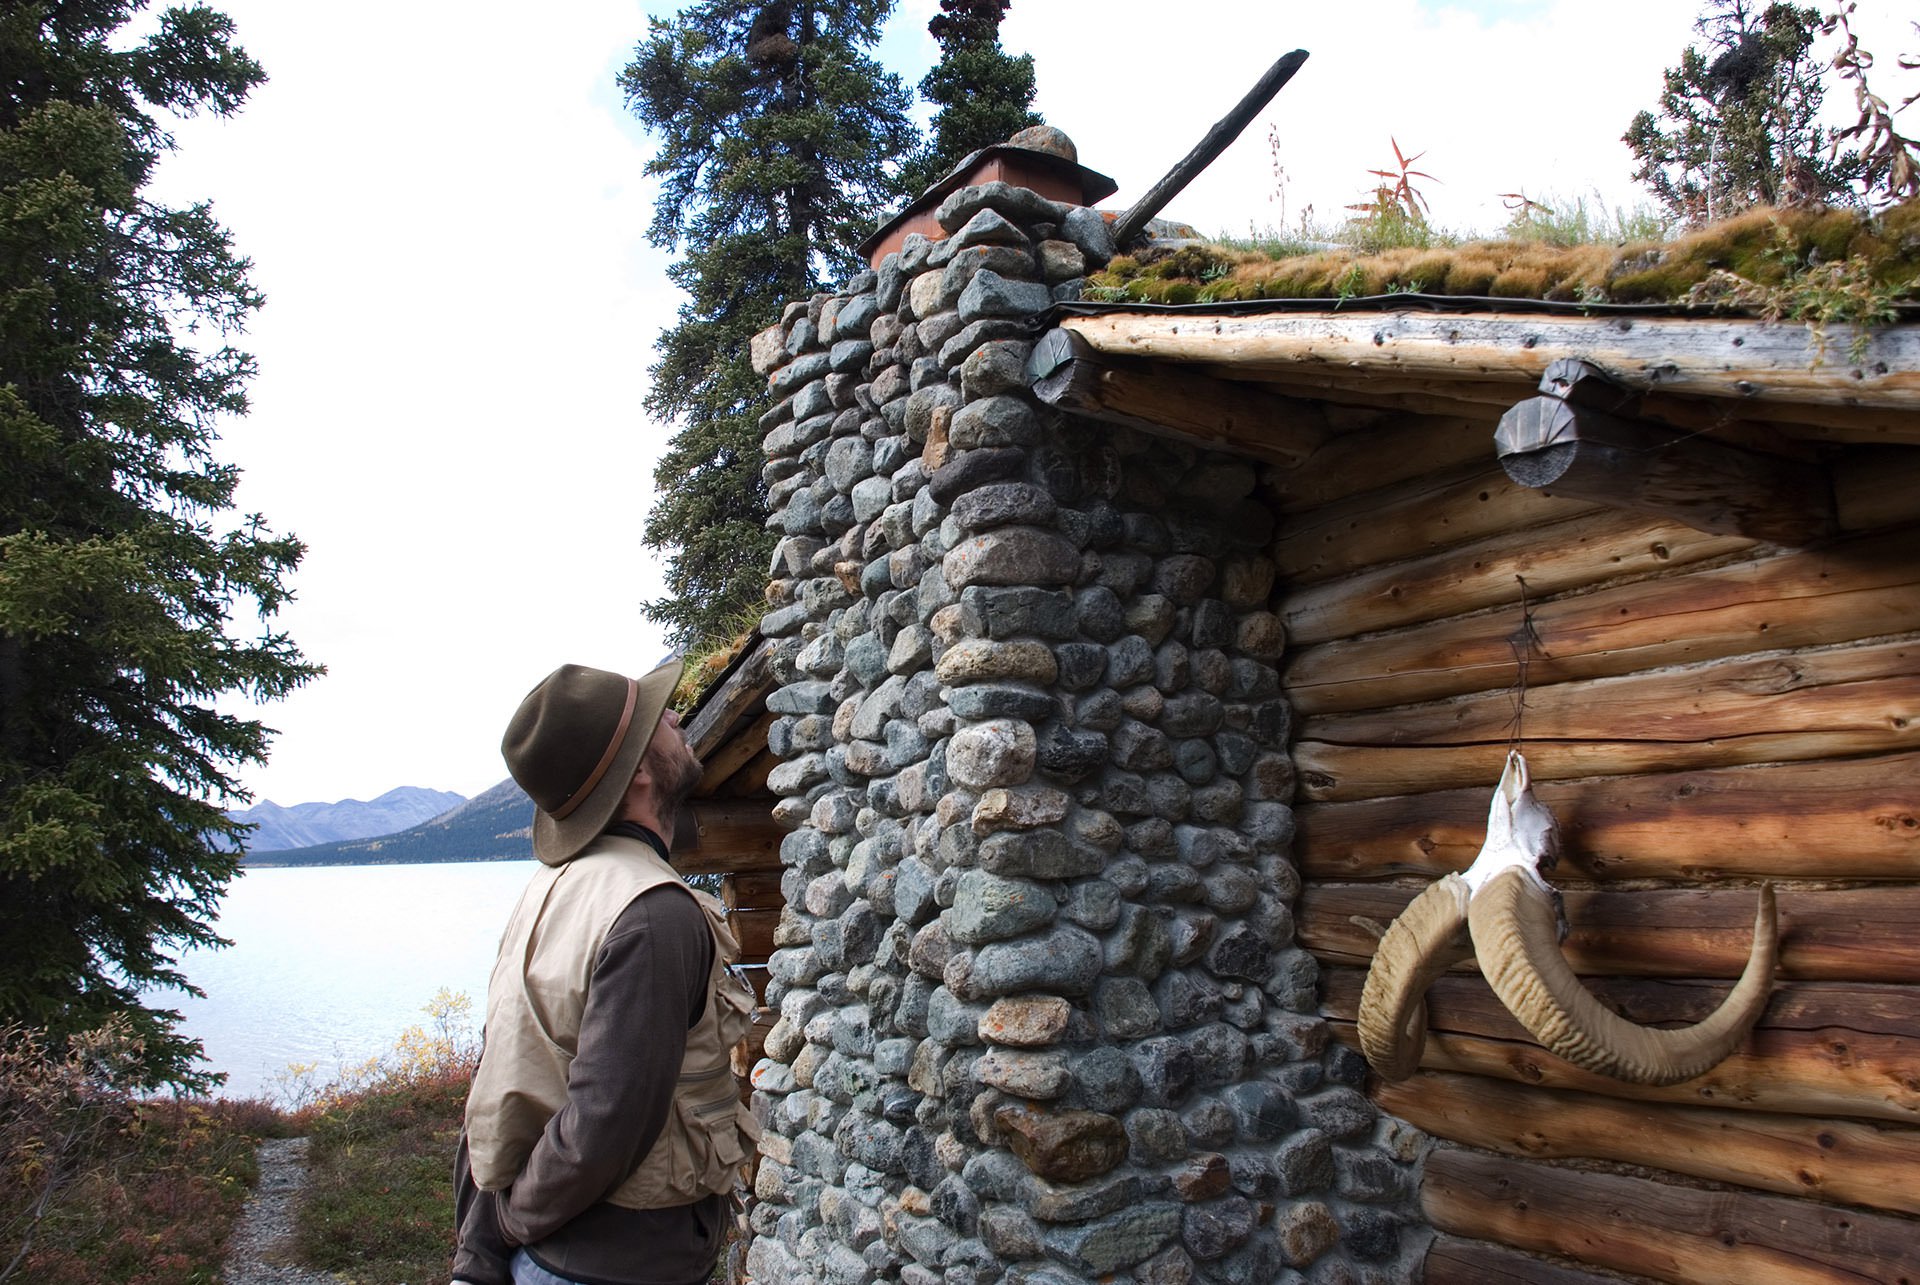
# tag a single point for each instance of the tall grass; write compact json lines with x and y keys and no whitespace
{"x":1574,"y":220}
{"x":1554,"y":220}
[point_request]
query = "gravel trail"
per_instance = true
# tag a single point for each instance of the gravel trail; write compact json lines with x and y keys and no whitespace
{"x":261,"y":1251}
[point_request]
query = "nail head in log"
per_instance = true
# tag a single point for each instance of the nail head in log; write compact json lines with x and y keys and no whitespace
{"x":1587,"y":454}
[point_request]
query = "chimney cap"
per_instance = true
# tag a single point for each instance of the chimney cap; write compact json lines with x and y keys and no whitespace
{"x":1046,"y":164}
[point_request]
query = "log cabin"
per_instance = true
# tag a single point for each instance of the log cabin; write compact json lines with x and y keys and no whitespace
{"x":1130,"y":665}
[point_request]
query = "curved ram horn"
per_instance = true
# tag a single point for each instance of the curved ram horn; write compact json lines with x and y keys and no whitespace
{"x":1514,"y":934}
{"x":1428,"y":938}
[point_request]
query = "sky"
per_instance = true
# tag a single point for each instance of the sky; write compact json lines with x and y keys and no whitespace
{"x":446,"y":206}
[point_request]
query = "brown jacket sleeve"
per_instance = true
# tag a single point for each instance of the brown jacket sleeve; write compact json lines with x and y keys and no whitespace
{"x":648,"y":989}
{"x":480,"y":1252}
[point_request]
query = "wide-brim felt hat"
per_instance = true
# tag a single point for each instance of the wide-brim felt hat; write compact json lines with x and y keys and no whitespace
{"x":574,"y":744}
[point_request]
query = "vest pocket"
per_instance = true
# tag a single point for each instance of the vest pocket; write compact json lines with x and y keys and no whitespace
{"x":714,"y":1149}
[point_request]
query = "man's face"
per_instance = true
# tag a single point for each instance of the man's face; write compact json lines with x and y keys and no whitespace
{"x":671,"y":764}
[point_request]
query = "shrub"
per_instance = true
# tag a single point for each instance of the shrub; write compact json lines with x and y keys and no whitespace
{"x":97,"y":1186}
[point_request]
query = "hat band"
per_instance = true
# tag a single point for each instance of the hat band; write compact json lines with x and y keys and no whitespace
{"x":606,"y":760}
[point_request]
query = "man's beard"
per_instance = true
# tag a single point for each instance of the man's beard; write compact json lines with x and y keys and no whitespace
{"x":677,"y":779}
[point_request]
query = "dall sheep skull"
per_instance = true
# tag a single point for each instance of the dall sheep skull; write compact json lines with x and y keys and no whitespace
{"x":1502,"y":911}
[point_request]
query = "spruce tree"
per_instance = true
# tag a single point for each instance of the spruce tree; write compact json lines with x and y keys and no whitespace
{"x":984,"y":94}
{"x":1737,"y":121}
{"x":121,"y":565}
{"x":779,"y":138}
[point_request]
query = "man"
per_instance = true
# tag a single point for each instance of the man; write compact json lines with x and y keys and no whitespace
{"x":604,"y":1130}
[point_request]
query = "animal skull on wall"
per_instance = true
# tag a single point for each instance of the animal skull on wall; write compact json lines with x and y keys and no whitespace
{"x":1502,"y":911}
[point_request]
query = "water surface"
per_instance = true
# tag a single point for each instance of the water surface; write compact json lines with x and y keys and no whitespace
{"x":330,"y":963}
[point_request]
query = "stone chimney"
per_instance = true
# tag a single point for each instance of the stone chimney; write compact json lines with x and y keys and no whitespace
{"x":1043,"y":1018}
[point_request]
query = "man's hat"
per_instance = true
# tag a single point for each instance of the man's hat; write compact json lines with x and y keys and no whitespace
{"x":574,"y":744}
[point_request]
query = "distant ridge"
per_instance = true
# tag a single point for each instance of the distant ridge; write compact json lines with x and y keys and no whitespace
{"x":496,"y":825}
{"x":303,"y":825}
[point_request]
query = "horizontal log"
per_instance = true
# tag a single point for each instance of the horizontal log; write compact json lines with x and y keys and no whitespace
{"x":1672,"y":1233}
{"x":1383,"y":451}
{"x":1877,"y":487}
{"x":1585,"y":454}
{"x":734,"y":752}
{"x":1586,"y":550}
{"x":755,"y":890}
{"x":1833,"y":1160}
{"x":1819,"y":1049}
{"x":1452,"y":1260}
{"x":730,"y":836}
{"x":1752,"y":362}
{"x":1859,"y":587}
{"x":753,"y":929}
{"x":751,"y":780}
{"x":1857,"y":819}
{"x":1411,"y":520}
{"x":1840,"y":688}
{"x":1473,"y":401}
{"x":1174,"y":401}
{"x":1475,"y":396}
{"x":1825,"y":704}
{"x":1855,"y":934}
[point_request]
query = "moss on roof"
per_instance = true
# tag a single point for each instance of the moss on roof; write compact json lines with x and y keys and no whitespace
{"x":1743,"y":262}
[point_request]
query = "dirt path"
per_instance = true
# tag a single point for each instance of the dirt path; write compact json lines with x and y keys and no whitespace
{"x":261,"y":1251}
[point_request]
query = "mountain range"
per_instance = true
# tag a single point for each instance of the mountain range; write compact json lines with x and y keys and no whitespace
{"x":305,"y":824}
{"x":494,"y":825}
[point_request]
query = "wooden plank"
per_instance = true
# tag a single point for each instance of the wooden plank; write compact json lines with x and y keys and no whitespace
{"x":1753,"y":362}
{"x":1856,"y":934}
{"x":737,"y":695}
{"x":1688,"y":1235}
{"x":1832,"y":1160}
{"x":733,"y":753}
{"x":1452,"y":1260}
{"x":1585,"y":550}
{"x":1858,"y":819}
{"x":1820,"y":1048}
{"x":1860,"y":587}
{"x":1389,"y":450}
{"x":1823,"y":704}
{"x":753,"y":929}
{"x":756,"y":890}
{"x":1412,"y":520}
{"x":730,"y":836}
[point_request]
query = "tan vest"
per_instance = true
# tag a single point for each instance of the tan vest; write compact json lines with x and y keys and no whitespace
{"x":534,"y":1003}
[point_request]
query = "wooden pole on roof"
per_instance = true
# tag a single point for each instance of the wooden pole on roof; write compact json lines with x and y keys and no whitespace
{"x":1218,"y":139}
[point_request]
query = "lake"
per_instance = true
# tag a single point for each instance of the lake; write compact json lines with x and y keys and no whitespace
{"x":330,"y":963}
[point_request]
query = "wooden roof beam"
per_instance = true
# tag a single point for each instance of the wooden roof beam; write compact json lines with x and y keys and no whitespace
{"x":1166,"y":401}
{"x":1768,"y":368}
{"x":1581,"y":440}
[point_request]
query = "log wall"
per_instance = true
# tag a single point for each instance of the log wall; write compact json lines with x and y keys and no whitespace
{"x":1702,"y":712}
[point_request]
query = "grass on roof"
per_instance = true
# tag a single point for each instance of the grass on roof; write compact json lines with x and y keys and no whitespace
{"x":1763,"y":260}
